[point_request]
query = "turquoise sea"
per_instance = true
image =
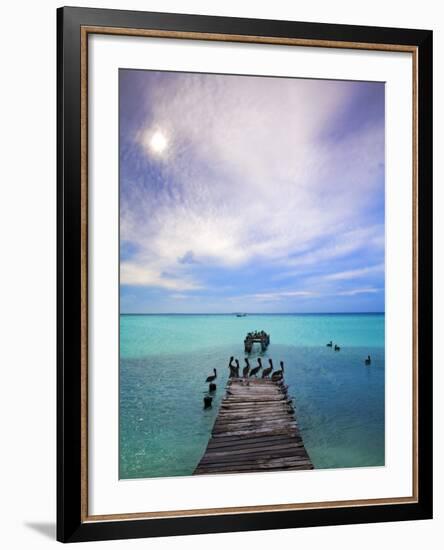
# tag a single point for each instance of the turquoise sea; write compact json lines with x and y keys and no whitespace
{"x":165,"y":359}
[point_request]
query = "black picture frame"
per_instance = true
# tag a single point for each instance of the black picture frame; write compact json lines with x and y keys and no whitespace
{"x":71,"y":523}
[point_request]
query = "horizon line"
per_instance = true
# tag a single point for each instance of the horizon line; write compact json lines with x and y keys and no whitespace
{"x":261,"y":313}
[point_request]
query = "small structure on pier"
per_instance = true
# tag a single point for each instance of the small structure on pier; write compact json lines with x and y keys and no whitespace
{"x":259,"y":337}
{"x":255,"y":431}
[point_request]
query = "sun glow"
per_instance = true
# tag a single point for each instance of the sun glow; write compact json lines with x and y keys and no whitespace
{"x":157,"y":142}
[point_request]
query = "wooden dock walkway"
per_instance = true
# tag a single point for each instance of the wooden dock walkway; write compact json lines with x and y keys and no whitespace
{"x":261,"y":338}
{"x":255,"y":431}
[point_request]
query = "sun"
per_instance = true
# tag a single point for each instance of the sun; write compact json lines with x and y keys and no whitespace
{"x":157,"y":142}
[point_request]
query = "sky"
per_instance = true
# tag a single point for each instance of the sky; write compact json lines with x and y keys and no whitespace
{"x":250,"y":194}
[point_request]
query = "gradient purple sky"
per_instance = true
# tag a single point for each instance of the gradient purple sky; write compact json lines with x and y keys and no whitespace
{"x":268,"y":194}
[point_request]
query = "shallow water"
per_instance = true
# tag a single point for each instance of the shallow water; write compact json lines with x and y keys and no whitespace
{"x":164,"y":360}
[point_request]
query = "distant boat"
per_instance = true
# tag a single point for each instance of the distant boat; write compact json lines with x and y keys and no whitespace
{"x":241,"y":314}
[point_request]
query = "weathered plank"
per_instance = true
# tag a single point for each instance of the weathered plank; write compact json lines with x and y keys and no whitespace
{"x":255,"y":431}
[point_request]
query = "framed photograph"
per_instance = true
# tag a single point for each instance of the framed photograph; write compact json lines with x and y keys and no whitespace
{"x":244,"y":274}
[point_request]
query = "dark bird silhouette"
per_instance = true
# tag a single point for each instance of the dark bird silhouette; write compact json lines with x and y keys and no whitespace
{"x":337,"y":348}
{"x":368,"y":361}
{"x":246,"y":369}
{"x":278,"y":374}
{"x":232,"y":368}
{"x":237,"y":368}
{"x":330,"y":344}
{"x":212,"y":377}
{"x":256,"y":369}
{"x":266,"y":372}
{"x":208,"y":402}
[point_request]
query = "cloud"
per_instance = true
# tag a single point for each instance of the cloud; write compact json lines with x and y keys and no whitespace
{"x":274,"y":296}
{"x":356,"y":291}
{"x":354,"y":273}
{"x":179,"y":296}
{"x":188,"y":258}
{"x":134,"y":274}
{"x":331,"y":250}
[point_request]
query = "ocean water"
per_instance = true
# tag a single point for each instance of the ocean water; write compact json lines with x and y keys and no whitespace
{"x":165,"y":359}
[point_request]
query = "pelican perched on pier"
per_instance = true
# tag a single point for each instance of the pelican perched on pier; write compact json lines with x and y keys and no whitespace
{"x":237,"y":368}
{"x":233,"y":371}
{"x":266,"y":372}
{"x":368,"y":361}
{"x":231,"y":367}
{"x":213,"y":377}
{"x":246,"y":369}
{"x":256,"y":369}
{"x":278,"y":374}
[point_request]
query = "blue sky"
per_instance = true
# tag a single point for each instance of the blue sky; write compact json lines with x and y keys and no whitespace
{"x":250,"y":194}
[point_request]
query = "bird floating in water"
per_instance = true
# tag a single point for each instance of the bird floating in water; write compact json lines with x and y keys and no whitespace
{"x":330,"y":344}
{"x":212,"y":377}
{"x":337,"y":348}
{"x":368,"y":361}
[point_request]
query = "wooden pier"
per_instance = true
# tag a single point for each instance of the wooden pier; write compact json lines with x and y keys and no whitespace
{"x":255,"y":431}
{"x":261,"y":338}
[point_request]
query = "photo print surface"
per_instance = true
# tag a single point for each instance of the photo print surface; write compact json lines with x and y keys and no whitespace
{"x":251,"y":274}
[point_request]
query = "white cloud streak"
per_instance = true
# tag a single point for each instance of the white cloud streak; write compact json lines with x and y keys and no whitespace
{"x":356,"y":291}
{"x":280,"y":295}
{"x":354,"y":273}
{"x":146,"y":274}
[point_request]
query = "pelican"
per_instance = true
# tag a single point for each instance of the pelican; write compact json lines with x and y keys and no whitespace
{"x":246,"y":369}
{"x":266,"y":372}
{"x":337,"y":348}
{"x":236,"y":370}
{"x":232,"y":368}
{"x":212,"y":377}
{"x":330,"y":344}
{"x":278,"y":374}
{"x":368,"y":360}
{"x":256,"y":369}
